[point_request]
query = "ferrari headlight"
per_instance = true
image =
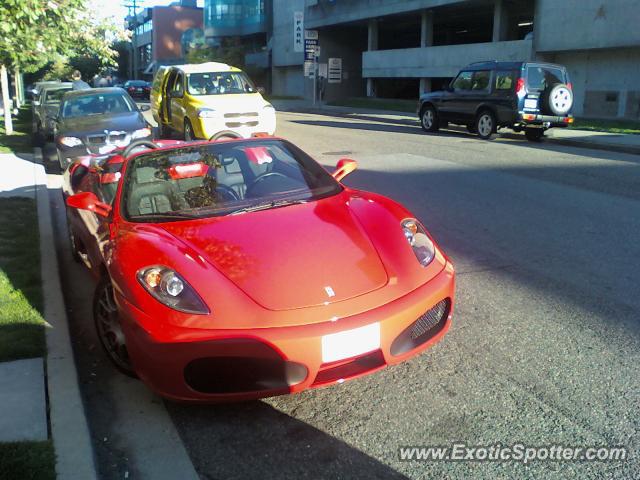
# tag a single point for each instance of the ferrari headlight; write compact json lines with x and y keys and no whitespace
{"x":70,"y":141}
{"x":141,"y":133}
{"x":207,"y":113}
{"x":170,"y":289}
{"x":420,"y":242}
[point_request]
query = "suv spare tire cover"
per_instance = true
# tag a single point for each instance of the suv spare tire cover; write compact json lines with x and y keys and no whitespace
{"x":559,"y":100}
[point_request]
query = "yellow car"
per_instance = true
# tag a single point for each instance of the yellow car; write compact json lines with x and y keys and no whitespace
{"x":198,"y":101}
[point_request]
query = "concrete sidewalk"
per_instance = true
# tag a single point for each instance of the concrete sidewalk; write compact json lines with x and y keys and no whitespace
{"x":23,"y":406}
{"x":23,"y":400}
{"x":614,"y":142}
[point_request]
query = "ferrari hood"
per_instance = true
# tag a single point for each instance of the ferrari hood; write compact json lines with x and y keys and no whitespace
{"x":291,"y":257}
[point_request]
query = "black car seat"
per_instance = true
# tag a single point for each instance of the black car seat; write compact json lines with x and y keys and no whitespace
{"x":151,"y":196}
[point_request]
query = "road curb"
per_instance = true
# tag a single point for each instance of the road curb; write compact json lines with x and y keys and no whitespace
{"x":594,"y":146}
{"x":69,"y":428}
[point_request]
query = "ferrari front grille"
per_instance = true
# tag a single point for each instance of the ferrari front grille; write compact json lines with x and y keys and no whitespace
{"x":428,"y":320}
{"x":427,"y":326}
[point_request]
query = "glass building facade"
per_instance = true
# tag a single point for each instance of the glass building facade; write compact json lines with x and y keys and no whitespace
{"x":234,"y":17}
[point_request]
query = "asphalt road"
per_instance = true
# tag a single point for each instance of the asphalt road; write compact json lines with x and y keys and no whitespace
{"x":544,"y":348}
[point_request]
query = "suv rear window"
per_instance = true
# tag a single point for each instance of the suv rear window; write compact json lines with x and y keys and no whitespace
{"x":541,"y":78}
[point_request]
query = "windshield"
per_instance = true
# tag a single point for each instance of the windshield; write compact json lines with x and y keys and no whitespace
{"x":54,"y":96}
{"x":219,"y":83}
{"x":96,"y":104}
{"x":541,"y":78}
{"x":221,"y":179}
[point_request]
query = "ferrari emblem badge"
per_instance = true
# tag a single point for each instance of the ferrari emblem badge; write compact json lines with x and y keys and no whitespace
{"x":330,"y":292}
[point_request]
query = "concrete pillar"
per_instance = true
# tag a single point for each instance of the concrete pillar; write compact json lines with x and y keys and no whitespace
{"x":372,"y":43}
{"x":426,"y":29}
{"x":425,"y":85}
{"x":622,"y":103}
{"x":500,"y":21}
{"x":371,"y":87}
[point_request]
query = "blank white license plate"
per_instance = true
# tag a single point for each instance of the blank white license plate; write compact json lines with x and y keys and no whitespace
{"x":531,"y":103}
{"x":350,"y":343}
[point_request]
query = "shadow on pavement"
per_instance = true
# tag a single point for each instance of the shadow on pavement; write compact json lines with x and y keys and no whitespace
{"x":254,"y":440}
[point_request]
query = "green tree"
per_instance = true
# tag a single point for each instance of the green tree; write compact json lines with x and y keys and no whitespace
{"x":32,"y":32}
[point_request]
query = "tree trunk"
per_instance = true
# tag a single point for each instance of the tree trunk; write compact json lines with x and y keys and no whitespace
{"x":16,"y":87}
{"x":6,"y":101}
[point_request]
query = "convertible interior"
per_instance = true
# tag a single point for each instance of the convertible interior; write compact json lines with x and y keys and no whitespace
{"x":238,"y":176}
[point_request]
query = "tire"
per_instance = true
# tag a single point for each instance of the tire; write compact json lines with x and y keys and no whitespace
{"x":558,"y":100}
{"x":38,"y":137}
{"x":109,"y":327}
{"x":534,"y":134}
{"x":429,"y":119}
{"x":73,"y":244}
{"x":485,"y":124}
{"x":189,"y":136}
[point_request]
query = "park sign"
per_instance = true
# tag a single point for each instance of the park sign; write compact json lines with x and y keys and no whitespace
{"x":298,"y":32}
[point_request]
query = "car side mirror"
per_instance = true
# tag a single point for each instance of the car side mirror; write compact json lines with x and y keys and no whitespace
{"x":89,"y":201}
{"x":36,"y":103}
{"x":145,"y":108}
{"x":343,"y":168}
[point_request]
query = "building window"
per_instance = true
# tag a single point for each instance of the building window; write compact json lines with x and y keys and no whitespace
{"x":233,"y":12}
{"x":144,"y":27}
{"x":144,"y":54}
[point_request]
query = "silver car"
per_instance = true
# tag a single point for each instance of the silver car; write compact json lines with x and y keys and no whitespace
{"x":45,"y":109}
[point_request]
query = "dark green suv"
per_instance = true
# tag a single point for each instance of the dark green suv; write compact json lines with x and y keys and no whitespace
{"x":486,"y":96}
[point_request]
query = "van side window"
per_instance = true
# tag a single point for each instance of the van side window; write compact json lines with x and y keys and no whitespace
{"x":504,"y":81}
{"x":463,"y":81}
{"x":481,"y":80}
{"x":178,"y":86}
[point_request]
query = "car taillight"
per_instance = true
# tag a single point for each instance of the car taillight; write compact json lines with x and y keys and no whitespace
{"x":570,"y":85}
{"x":520,"y":86}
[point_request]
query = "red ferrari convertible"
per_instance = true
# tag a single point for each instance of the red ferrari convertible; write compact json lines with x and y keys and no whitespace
{"x":241,"y":268}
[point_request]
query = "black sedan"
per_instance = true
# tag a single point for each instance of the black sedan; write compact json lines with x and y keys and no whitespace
{"x":97,"y":121}
{"x":138,"y":89}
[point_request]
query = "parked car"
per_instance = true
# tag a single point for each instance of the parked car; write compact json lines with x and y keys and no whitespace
{"x":45,"y":110}
{"x":138,"y":89}
{"x":97,"y":120}
{"x":33,"y":91}
{"x":485,"y":96}
{"x":241,"y":269}
{"x":199,"y":101}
